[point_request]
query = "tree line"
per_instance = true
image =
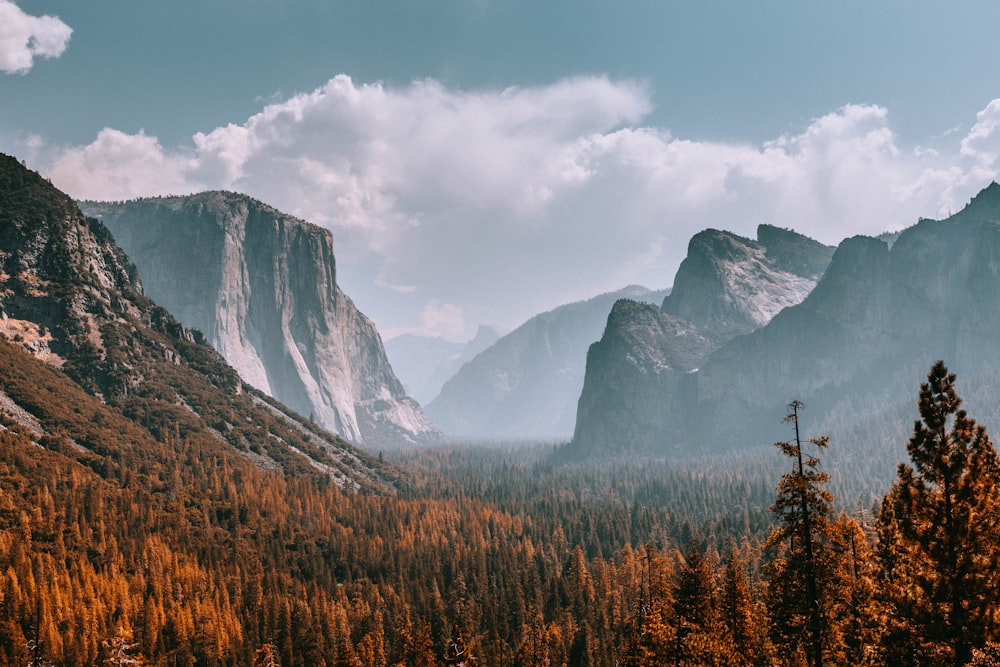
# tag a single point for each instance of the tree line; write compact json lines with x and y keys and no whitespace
{"x":177,"y":552}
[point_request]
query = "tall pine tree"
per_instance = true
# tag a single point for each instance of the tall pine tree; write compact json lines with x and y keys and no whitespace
{"x":801,"y":572}
{"x":939,"y":532}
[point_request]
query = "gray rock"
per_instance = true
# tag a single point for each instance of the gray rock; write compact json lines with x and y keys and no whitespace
{"x":527,"y":384}
{"x":261,"y":286}
{"x":641,"y":391}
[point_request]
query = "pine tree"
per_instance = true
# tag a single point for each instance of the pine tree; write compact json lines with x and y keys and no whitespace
{"x":802,"y":569}
{"x":939,"y":532}
{"x":693,"y":604}
{"x":741,"y":615}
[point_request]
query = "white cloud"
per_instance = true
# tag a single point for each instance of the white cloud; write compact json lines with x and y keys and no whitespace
{"x":443,"y":319}
{"x":455,"y":207}
{"x":23,"y":37}
{"x":983,"y":141}
{"x":121,"y":166}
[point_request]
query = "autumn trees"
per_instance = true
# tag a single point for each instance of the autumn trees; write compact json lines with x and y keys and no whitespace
{"x":939,"y":535}
{"x":196,"y":557}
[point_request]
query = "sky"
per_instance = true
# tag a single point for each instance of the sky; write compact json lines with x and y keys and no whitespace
{"x":481,"y":161}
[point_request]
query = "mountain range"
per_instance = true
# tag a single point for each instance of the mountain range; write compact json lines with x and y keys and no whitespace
{"x":425,"y":363}
{"x":261,"y":286}
{"x":715,"y":370}
{"x":526,"y":385}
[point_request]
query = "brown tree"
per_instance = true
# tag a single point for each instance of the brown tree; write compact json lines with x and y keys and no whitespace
{"x":939,"y":532}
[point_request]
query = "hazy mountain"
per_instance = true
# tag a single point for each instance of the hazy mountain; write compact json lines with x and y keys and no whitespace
{"x":121,"y":377}
{"x":262,"y":287}
{"x":854,"y":350}
{"x":526,"y":385}
{"x":424,"y":363}
{"x":637,"y":394}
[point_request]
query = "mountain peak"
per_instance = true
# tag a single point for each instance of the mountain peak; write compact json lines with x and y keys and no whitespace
{"x":984,"y":207}
{"x":69,"y":298}
{"x":732,"y":285}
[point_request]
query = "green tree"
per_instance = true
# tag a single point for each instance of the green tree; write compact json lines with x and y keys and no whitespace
{"x":939,"y":532}
{"x":801,"y":572}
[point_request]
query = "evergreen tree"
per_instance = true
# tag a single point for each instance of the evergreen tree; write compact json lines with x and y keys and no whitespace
{"x":742,"y":616}
{"x":939,"y":532}
{"x":802,"y":569}
{"x":693,"y":608}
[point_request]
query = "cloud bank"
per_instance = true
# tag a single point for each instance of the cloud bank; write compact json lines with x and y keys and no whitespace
{"x":23,"y":37}
{"x":450,"y":208}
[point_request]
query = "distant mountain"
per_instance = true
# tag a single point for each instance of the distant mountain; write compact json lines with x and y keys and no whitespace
{"x":526,"y":385}
{"x":853,"y":351}
{"x":262,"y":287}
{"x":424,"y":363}
{"x":637,"y":394}
{"x":99,"y":371}
{"x":870,"y":331}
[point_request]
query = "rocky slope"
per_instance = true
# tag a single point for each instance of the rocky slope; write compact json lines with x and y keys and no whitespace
{"x":70,"y":298}
{"x":638,"y":393}
{"x":854,"y":351}
{"x":262,"y":287}
{"x":869,"y":332}
{"x":423,"y":363}
{"x":526,"y":385}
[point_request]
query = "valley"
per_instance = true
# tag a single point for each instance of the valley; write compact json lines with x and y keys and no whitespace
{"x":165,"y":498}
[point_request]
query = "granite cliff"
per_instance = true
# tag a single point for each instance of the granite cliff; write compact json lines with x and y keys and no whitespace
{"x":262,"y":287}
{"x":638,"y":393}
{"x":121,"y":379}
{"x":854,"y":350}
{"x":869,"y":332}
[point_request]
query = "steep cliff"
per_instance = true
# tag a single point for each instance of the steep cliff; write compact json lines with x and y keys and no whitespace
{"x":729,"y":285}
{"x":262,"y":287}
{"x":526,"y":385}
{"x":870,"y":331}
{"x":640,"y":386}
{"x":70,"y":298}
{"x":853,"y":351}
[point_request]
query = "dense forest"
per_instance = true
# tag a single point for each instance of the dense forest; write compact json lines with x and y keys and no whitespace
{"x":174,"y":551}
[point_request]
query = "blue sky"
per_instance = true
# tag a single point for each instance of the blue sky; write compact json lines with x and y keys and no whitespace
{"x":481,"y":161}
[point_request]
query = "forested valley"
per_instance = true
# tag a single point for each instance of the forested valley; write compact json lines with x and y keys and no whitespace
{"x":176,"y":552}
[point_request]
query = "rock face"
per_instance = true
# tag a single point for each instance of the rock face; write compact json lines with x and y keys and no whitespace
{"x":853,"y":351}
{"x":870,"y":331}
{"x":70,"y":297}
{"x":262,"y":287}
{"x":526,"y":385}
{"x":641,"y":377}
{"x":424,"y":364}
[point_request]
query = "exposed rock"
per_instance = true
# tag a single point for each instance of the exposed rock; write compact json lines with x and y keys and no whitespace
{"x":262,"y":287}
{"x":728,"y":285}
{"x":527,"y":384}
{"x":69,"y":297}
{"x":854,"y":351}
{"x":640,"y":388}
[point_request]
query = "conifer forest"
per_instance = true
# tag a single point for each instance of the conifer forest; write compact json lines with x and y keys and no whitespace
{"x":177,"y":552}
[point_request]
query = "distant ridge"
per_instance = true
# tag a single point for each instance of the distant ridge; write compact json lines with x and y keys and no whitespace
{"x":852,"y":351}
{"x":526,"y":385}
